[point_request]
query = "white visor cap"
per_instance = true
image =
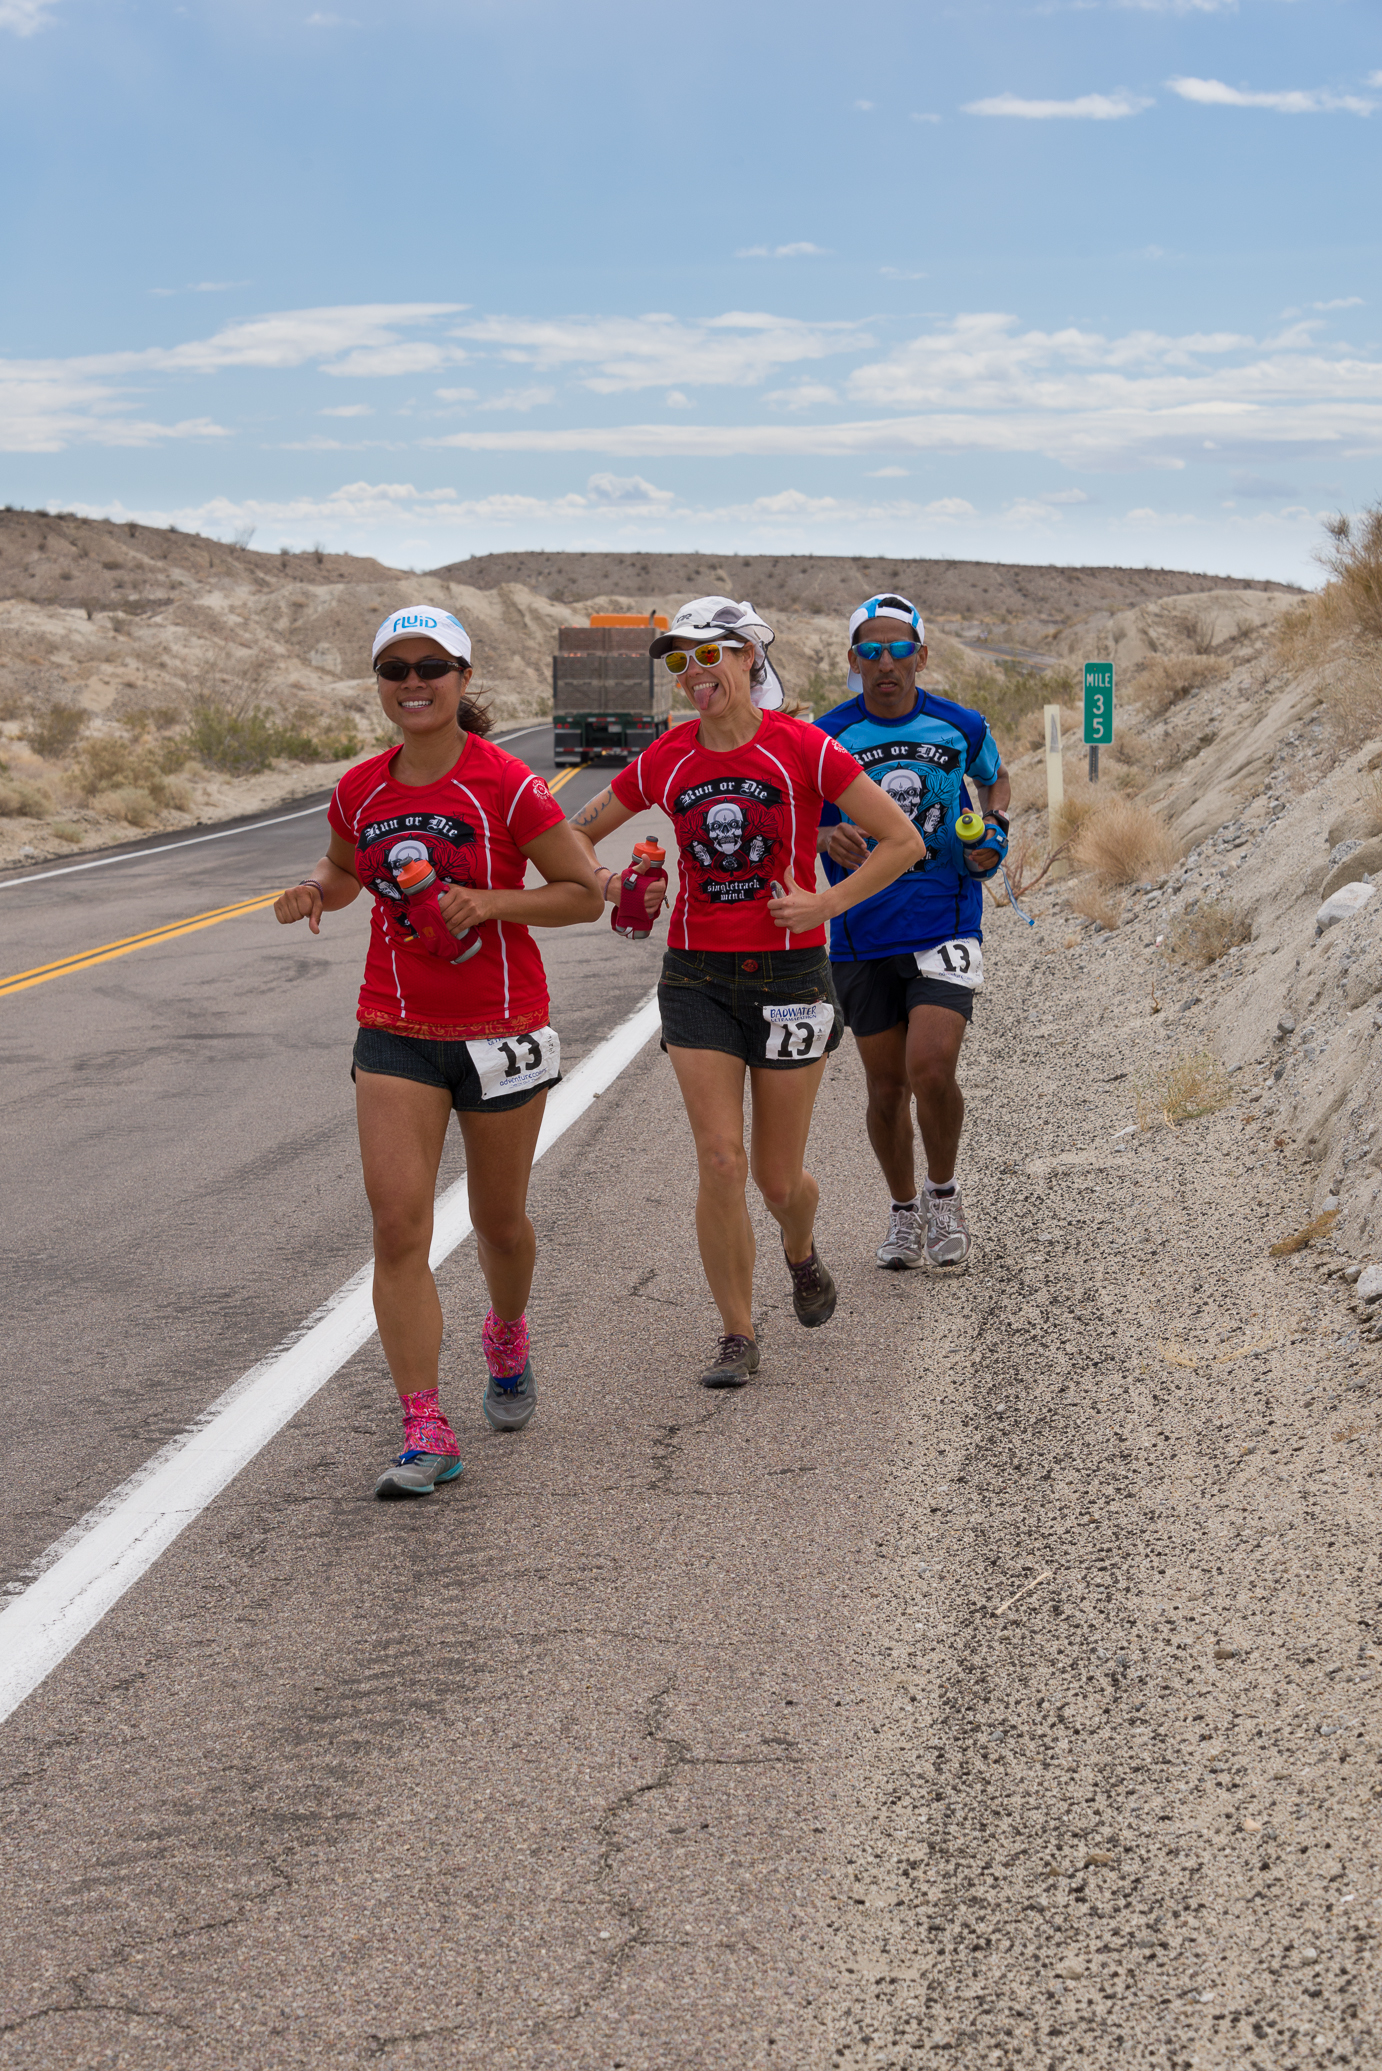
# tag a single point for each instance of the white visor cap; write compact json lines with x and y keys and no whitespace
{"x":888,"y":606}
{"x":720,"y":618}
{"x":423,"y":622}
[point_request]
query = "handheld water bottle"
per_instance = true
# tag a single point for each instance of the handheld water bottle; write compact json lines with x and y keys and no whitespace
{"x":418,"y":883}
{"x":629,"y":915}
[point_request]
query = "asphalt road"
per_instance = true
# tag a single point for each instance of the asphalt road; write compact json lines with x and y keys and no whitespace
{"x":971,"y":1688}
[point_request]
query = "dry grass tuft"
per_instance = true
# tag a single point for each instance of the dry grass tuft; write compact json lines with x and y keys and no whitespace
{"x":1097,"y":905}
{"x":66,"y":830}
{"x":131,"y":803}
{"x":1201,"y":938}
{"x":1125,"y":843}
{"x":1319,"y":1227}
{"x":1075,"y":810}
{"x":1028,"y":862}
{"x":1163,"y":679}
{"x":110,"y":768}
{"x":1191,"y":1086}
{"x":52,"y":731}
{"x":1195,"y":1085}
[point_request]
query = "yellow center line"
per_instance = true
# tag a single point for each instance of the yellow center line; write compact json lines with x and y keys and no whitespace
{"x":83,"y":959}
{"x":566,"y":776}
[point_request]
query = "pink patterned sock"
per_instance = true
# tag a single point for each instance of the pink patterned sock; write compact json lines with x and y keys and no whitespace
{"x":425,"y":1429}
{"x":506,"y":1346}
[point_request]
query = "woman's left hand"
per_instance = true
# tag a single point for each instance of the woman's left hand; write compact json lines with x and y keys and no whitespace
{"x":798,"y":911}
{"x":462,"y":908}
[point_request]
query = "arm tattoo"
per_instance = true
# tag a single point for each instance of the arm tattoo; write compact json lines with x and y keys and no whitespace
{"x":589,"y":814}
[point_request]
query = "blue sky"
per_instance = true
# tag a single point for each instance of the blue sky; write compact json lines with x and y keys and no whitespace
{"x":1093,"y":281}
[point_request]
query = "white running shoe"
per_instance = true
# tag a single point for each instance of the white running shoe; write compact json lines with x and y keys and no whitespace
{"x":901,"y":1248}
{"x":947,"y":1233}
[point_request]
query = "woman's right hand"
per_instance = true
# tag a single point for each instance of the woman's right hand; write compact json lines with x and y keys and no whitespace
{"x":301,"y":902}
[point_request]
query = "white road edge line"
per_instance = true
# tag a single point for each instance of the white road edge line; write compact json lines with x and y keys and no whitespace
{"x":138,"y":855}
{"x":223,"y":834}
{"x":90,"y":1567}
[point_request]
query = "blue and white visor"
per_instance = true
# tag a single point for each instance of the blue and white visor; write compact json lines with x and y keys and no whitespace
{"x":423,"y":622}
{"x":888,"y":606}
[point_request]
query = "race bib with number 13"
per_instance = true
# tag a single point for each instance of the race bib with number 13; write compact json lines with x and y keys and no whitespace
{"x":957,"y":963}
{"x":515,"y":1064}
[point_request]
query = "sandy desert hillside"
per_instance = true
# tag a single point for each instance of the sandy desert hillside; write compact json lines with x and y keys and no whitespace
{"x":153,"y":679}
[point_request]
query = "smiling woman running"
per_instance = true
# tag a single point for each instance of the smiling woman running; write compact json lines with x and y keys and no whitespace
{"x":453,"y":1010}
{"x":745,"y":982}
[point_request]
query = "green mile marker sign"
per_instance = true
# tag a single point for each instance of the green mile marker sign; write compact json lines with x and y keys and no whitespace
{"x":1098,"y":704}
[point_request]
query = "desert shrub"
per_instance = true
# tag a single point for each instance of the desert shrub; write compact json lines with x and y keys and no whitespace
{"x":1339,"y":632}
{"x":109,"y":765}
{"x":1019,"y":691}
{"x":52,"y":731}
{"x":1123,"y":842}
{"x":1200,"y":938}
{"x":1098,"y":904}
{"x":1164,"y":679}
{"x":129,"y":802}
{"x":241,"y":739}
{"x":20,"y":801}
{"x":66,"y":830}
{"x":1075,"y":809}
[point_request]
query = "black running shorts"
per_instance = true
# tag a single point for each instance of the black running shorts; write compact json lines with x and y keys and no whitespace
{"x":774,"y":1009}
{"x":877,"y":995}
{"x":447,"y":1065}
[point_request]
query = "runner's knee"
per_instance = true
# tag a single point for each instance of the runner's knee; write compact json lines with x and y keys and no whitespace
{"x":400,"y":1231}
{"x":933,"y":1078}
{"x":506,"y":1232}
{"x":723,"y":1163}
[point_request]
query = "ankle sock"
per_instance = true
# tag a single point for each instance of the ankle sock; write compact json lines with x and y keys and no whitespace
{"x":912,"y":1206}
{"x":940,"y":1193}
{"x":425,"y":1429}
{"x":506,"y":1346}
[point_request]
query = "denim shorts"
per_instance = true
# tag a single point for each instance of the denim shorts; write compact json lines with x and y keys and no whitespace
{"x":741,"y":1001}
{"x":448,"y":1065}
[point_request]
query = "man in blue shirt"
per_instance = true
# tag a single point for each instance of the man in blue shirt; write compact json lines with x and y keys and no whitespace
{"x":907,"y":963}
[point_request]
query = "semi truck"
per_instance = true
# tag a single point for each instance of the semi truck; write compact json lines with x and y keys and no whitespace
{"x":609,"y":699}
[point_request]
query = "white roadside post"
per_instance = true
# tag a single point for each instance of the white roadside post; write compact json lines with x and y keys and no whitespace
{"x":1055,"y":775}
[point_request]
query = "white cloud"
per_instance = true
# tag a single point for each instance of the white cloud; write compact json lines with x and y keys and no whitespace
{"x":1373,"y":79}
{"x":1180,"y":6}
{"x":628,"y":491}
{"x":925,"y":118}
{"x":1314,"y":100}
{"x":1340,"y":302}
{"x":347,"y":410}
{"x":1089,"y":107}
{"x":675,"y":400}
{"x":888,"y":474}
{"x":979,"y":383}
{"x":203,"y":287}
{"x":519,"y":399}
{"x":457,"y":395}
{"x":25,"y":17}
{"x":862,"y":107}
{"x":899,"y":273}
{"x":618,"y":354}
{"x":783,"y":251}
{"x":806,"y":395}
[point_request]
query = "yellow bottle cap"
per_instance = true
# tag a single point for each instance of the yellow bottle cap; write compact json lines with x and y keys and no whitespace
{"x":969,"y":826}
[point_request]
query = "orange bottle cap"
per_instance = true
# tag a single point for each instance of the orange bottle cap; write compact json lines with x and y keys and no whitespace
{"x":651,"y":850}
{"x":412,"y":873}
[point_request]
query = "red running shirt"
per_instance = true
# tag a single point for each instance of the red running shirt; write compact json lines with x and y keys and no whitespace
{"x":471,"y":826}
{"x":742,"y":818}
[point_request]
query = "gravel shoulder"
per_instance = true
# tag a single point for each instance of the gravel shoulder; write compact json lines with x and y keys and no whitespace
{"x":1116,"y":1690}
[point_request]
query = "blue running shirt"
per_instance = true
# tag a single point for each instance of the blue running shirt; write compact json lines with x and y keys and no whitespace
{"x":921,"y":761}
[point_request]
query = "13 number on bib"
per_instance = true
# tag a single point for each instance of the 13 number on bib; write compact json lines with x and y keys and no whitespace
{"x":957,"y":963}
{"x":798,"y":1033}
{"x":515,"y":1064}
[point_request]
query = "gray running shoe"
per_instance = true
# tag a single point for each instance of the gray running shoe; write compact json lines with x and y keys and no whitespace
{"x":735,"y":1360}
{"x":814,"y":1293}
{"x":901,"y":1248}
{"x":509,"y":1404}
{"x":947,"y":1233}
{"x":417,"y":1474}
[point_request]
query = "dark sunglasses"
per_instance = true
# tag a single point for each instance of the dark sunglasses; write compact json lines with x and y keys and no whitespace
{"x":427,"y":670}
{"x":900,"y":650}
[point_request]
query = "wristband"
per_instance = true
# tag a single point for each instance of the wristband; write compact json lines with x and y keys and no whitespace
{"x":315,"y":883}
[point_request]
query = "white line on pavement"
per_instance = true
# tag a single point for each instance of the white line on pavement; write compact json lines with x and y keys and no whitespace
{"x":138,"y":855}
{"x":89,"y":1569}
{"x":223,"y":834}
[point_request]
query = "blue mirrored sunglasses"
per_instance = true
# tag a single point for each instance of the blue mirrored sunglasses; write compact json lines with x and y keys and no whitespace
{"x":900,"y":650}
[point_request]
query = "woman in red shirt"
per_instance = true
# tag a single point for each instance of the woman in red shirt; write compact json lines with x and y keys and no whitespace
{"x":746,"y":984}
{"x":453,"y":1010}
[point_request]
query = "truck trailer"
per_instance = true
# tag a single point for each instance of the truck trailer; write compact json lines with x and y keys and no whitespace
{"x":609,"y":699}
